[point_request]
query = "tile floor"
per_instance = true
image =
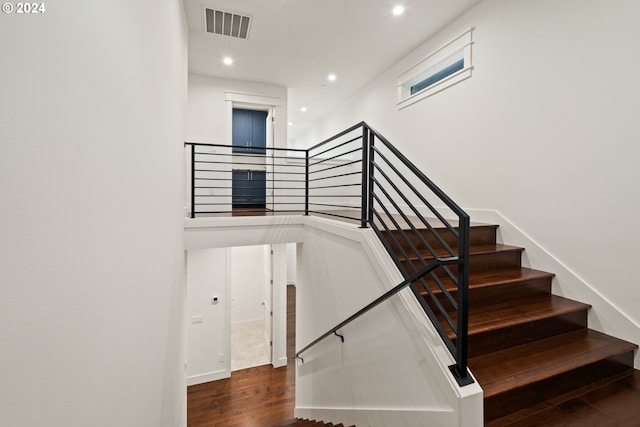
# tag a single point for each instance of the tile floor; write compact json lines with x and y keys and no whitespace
{"x":247,"y":345}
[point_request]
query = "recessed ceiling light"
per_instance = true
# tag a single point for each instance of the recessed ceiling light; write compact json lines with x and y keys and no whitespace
{"x":303,"y":109}
{"x":331,"y":77}
{"x":227,"y":60}
{"x":398,"y":10}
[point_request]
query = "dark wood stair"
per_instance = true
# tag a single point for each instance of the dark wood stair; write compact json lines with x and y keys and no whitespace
{"x":526,"y":345}
{"x":296,"y":422}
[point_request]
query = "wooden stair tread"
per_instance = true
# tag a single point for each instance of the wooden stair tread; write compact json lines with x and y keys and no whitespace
{"x":505,"y":276}
{"x":504,"y":370}
{"x":488,"y":248}
{"x":498,"y":315}
{"x":498,"y":277}
{"x":495,"y":316}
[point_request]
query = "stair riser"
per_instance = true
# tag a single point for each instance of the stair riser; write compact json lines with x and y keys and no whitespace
{"x":478,"y":235}
{"x":532,"y":394}
{"x":487,"y":342}
{"x":502,"y":292}
{"x":478,"y":263}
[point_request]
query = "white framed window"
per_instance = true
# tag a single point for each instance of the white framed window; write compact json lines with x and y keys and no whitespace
{"x":445,"y":67}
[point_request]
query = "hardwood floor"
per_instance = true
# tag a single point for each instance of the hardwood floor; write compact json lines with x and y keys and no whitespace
{"x":265,"y":397}
{"x":256,"y":397}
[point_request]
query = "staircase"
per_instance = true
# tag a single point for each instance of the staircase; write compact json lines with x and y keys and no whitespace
{"x":307,"y":423}
{"x":526,"y":345}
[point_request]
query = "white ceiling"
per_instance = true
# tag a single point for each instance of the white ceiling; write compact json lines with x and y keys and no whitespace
{"x":297,"y":43}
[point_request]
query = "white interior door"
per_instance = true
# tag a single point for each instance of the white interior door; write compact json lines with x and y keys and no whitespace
{"x":268,"y":300}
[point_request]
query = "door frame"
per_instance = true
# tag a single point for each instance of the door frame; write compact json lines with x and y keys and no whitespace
{"x":278,"y":306}
{"x":276,"y":124}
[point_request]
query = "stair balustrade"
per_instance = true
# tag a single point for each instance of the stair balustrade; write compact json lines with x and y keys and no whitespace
{"x":356,"y":175}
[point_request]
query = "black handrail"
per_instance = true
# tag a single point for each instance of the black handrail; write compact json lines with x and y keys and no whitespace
{"x":373,"y":304}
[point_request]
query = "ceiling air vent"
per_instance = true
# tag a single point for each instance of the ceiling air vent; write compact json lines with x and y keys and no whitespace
{"x":227,"y":23}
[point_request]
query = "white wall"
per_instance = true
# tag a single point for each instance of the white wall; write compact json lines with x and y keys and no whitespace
{"x":291,"y":264}
{"x":208,"y":118}
{"x":207,"y":334}
{"x":392,"y":367}
{"x":247,"y":278}
{"x":544,"y":132}
{"x":91,"y":302}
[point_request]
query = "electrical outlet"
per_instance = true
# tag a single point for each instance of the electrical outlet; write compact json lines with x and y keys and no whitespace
{"x":221,"y":358}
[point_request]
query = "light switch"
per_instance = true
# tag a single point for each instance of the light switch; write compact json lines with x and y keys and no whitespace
{"x":196,"y":319}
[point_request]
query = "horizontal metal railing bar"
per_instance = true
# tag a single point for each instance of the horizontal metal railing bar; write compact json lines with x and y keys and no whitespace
{"x":335,"y":176}
{"x":249,"y":210}
{"x":340,"y":154}
{"x":210,"y":162}
{"x":384,"y":297}
{"x":280,"y":195}
{"x":416,"y":192}
{"x":230,"y":179}
{"x":430,"y":184}
{"x":241,"y":155}
{"x":359,"y":148}
{"x":337,"y":166}
{"x":334,"y":206}
{"x":247,"y":203}
{"x":344,"y":132}
{"x":250,"y":170}
{"x":232,"y":155}
{"x":300,"y":150}
{"x":267,"y":188}
{"x":359,"y":184}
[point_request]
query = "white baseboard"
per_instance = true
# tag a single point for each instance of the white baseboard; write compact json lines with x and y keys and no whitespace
{"x":282,"y":361}
{"x":208,"y":377}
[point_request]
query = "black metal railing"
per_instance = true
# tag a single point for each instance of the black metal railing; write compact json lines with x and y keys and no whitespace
{"x":225,"y":182}
{"x":411,"y":216}
{"x":356,"y":175}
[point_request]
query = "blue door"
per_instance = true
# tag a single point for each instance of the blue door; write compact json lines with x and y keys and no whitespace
{"x":249,"y":132}
{"x":248,"y":189}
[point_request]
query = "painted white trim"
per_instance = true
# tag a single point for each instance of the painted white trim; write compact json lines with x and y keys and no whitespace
{"x":228,"y":281}
{"x":250,"y":98}
{"x":279,"y":307}
{"x":421,"y":70}
{"x":205,"y":378}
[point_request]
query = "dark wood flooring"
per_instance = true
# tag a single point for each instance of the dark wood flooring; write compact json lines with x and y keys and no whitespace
{"x":262,"y":396}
